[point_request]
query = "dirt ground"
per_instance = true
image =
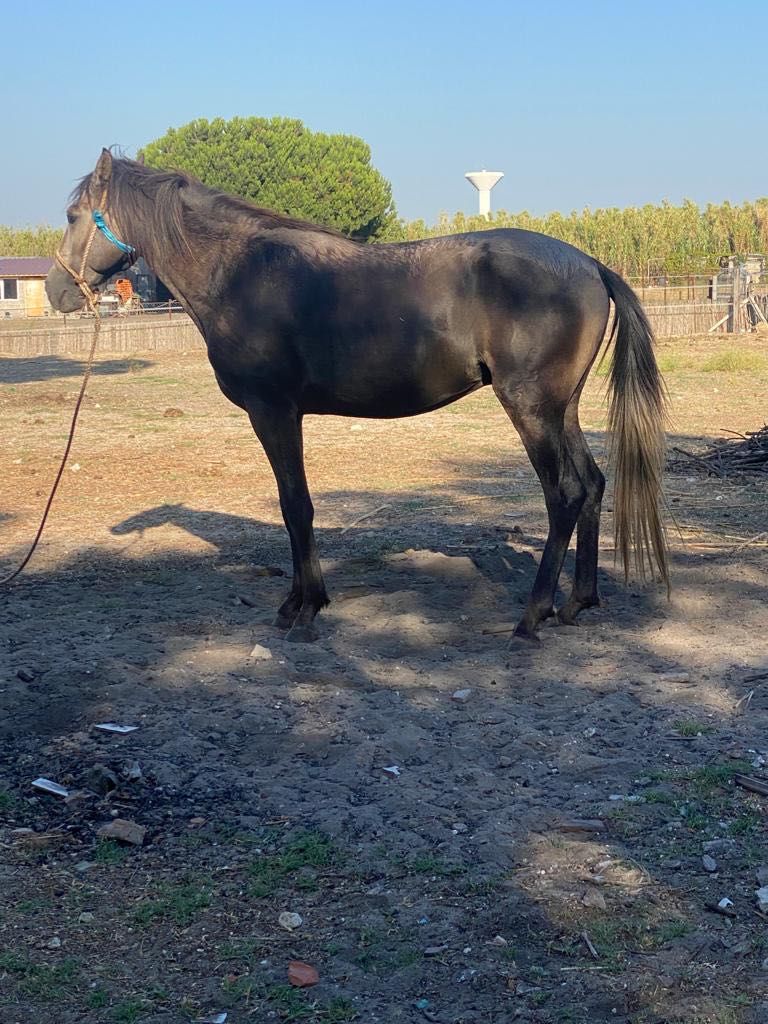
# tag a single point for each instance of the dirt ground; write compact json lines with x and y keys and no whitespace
{"x":538,"y":854}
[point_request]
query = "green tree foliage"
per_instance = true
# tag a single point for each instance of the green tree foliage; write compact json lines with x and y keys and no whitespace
{"x":279,"y":164}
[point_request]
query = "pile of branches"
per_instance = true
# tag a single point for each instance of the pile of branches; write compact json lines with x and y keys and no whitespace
{"x":745,"y":454}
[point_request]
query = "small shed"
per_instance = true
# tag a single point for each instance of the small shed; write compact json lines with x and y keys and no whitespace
{"x":22,"y":286}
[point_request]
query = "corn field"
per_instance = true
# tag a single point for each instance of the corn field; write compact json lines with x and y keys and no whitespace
{"x":642,"y":243}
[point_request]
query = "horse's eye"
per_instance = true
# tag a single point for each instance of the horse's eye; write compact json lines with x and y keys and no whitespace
{"x":71,"y":218}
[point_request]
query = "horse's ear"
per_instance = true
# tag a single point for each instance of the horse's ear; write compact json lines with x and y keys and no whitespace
{"x":101,"y":175}
{"x":140,"y":157}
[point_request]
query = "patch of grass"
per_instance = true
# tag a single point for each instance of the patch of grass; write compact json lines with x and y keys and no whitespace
{"x":42,"y":981}
{"x":239,"y":949}
{"x":687,"y":727}
{"x":734,"y":361}
{"x":716,"y":776}
{"x":7,"y":801}
{"x":178,"y":903}
{"x":110,"y":852}
{"x":676,"y":928}
{"x":617,"y":939}
{"x":32,"y":906}
{"x":237,"y":988}
{"x":747,"y":822}
{"x":428,"y":864}
{"x":288,"y":1002}
{"x":338,"y":1011}
{"x":658,"y":796}
{"x":673,"y":362}
{"x":308,"y":850}
{"x":97,"y":999}
{"x":128,"y":1011}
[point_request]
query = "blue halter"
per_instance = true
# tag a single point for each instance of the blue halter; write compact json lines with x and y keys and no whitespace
{"x":98,"y":220}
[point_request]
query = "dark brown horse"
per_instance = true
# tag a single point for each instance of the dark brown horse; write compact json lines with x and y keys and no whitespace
{"x":299,"y":319}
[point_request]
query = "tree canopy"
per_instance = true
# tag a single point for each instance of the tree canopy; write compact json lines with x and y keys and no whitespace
{"x":280,"y":164}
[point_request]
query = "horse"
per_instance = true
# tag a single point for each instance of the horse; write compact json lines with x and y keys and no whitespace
{"x":300,"y":319}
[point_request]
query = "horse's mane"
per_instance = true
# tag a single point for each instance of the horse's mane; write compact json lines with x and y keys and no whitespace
{"x":132,"y":183}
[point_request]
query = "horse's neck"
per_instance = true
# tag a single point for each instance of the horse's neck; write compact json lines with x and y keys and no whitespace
{"x":184,"y":267}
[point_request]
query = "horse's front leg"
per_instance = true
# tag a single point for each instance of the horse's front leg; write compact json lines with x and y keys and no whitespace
{"x":278,"y":427}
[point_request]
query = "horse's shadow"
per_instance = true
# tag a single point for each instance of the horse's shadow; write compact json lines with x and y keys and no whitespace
{"x":365,"y":557}
{"x":19,"y":370}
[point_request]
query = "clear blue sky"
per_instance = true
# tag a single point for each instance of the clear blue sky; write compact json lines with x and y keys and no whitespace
{"x":580,"y":103}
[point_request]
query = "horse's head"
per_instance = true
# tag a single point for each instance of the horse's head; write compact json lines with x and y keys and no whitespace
{"x":90,"y":253}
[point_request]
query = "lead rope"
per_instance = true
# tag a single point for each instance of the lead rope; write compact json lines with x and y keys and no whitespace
{"x":90,"y":298}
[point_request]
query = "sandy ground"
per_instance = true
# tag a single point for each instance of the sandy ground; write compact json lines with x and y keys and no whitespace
{"x":455,"y":890}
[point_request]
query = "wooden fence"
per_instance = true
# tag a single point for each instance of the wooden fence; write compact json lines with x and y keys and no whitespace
{"x":178,"y":334}
{"x":145,"y":334}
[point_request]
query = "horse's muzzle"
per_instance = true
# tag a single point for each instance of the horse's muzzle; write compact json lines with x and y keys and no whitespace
{"x":63,"y":294}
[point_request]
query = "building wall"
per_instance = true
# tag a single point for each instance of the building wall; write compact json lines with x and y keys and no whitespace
{"x":31,"y":301}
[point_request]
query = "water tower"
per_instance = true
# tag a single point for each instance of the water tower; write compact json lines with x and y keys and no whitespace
{"x":484,"y":182}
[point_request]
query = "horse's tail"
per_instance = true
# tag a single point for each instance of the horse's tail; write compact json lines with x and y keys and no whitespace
{"x":636,"y":420}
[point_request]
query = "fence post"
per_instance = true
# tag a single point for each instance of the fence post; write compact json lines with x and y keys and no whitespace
{"x":733,"y":325}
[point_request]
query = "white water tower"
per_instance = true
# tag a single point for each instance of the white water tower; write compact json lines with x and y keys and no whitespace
{"x":484,"y":182}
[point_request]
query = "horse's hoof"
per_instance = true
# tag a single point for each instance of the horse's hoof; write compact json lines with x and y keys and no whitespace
{"x":523,"y":637}
{"x":566,"y":616}
{"x":300,"y":634}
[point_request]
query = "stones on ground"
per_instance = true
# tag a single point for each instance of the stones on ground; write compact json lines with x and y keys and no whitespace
{"x":498,"y":940}
{"x":434,"y":950}
{"x":131,"y":771}
{"x":716,"y":845}
{"x":290,"y":921}
{"x":709,"y":863}
{"x":581,"y":825}
{"x":724,"y":903}
{"x":54,"y":943}
{"x":212,"y":1018}
{"x":173,"y":413}
{"x":26,"y":674}
{"x":86,"y":917}
{"x":762,"y":899}
{"x":761,"y":876}
{"x":259,"y":653}
{"x":123,"y":831}
{"x":461,"y":696}
{"x":115,"y":727}
{"x":101,"y":779}
{"x":302,"y":975}
{"x":673,"y":676}
{"x":522,"y":988}
{"x":459,"y":827}
{"x":392,"y":771}
{"x":594,"y":899}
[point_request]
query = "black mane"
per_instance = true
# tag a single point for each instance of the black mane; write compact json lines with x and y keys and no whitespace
{"x":133,"y":183}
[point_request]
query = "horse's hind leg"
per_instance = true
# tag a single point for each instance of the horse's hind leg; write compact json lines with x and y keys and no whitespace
{"x":540,"y":422}
{"x":279,"y":431}
{"x":584,"y":593}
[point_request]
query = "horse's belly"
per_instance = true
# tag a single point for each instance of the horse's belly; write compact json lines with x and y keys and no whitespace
{"x":377,"y":398}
